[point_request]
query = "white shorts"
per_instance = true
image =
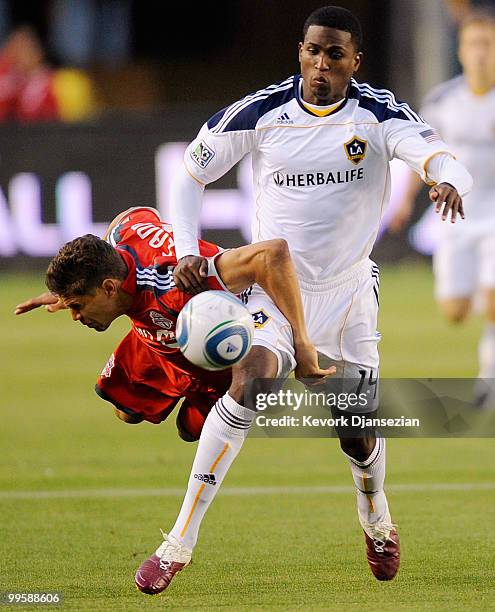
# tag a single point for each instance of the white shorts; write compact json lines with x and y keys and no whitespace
{"x":341,"y":317}
{"x":465,"y":262}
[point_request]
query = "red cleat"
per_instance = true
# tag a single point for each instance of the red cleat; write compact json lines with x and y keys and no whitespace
{"x":155,"y":574}
{"x":383,"y":553}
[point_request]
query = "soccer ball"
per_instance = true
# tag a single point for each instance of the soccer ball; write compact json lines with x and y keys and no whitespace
{"x":214,"y":330}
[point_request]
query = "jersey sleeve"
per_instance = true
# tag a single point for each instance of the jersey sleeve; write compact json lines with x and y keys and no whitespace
{"x":414,"y":142}
{"x":220,"y":144}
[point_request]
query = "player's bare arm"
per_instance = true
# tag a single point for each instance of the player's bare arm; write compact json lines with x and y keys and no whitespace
{"x":269,"y":264}
{"x":447,"y":199}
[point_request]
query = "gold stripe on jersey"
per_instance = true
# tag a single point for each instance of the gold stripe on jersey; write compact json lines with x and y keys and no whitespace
{"x":425,"y":166}
{"x":193,"y":177}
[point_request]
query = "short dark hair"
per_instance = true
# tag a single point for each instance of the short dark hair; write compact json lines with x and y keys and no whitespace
{"x":81,"y":266}
{"x":338,"y":18}
{"x":483,"y":16}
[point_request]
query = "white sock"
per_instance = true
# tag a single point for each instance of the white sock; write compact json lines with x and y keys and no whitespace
{"x":223,"y":435}
{"x":486,"y":351}
{"x":369,"y":477}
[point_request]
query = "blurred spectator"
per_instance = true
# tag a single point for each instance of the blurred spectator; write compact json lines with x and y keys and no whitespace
{"x":26,"y":83}
{"x":460,"y":9}
{"x":74,"y":92}
{"x":84,"y":32}
{"x":32,"y":91}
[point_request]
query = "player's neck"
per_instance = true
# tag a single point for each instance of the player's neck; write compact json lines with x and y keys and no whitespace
{"x":333,"y":98}
{"x":125,"y":301}
{"x":481,"y":83}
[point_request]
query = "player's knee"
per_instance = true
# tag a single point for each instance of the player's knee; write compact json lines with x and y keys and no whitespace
{"x":132,"y":419}
{"x":490,"y":305}
{"x":455,"y":311}
{"x":259,"y":363}
{"x":358,"y":448}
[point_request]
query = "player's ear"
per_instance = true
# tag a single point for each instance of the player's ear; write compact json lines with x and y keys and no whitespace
{"x":357,"y":61}
{"x":110,"y":286}
{"x":299,"y":49}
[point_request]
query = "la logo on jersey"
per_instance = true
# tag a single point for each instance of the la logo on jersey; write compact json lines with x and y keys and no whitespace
{"x":260,"y":318}
{"x":355,"y":149}
{"x":202,"y":154}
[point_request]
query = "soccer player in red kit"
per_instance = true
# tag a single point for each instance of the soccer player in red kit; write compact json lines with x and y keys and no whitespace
{"x":130,"y":272}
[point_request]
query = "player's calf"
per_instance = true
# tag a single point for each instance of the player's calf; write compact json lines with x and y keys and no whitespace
{"x":190,"y":421}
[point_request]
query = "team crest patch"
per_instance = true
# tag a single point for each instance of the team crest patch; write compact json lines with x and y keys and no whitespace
{"x":160,"y":320}
{"x":202,"y":154}
{"x":107,"y":370}
{"x":355,"y":149}
{"x":260,"y":319}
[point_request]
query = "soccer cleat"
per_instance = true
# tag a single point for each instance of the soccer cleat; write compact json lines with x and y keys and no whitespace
{"x":156,"y":573}
{"x":382,"y":549}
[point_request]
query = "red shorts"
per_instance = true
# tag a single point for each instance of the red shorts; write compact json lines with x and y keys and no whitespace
{"x":139,"y":381}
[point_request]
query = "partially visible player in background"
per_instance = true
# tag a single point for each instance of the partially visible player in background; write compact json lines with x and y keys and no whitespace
{"x":130,"y":273}
{"x":463,"y":111}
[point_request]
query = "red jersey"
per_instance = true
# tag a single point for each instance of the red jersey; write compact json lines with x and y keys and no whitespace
{"x":147,"y":246}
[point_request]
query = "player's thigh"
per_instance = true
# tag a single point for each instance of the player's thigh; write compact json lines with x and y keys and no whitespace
{"x":342,"y":321}
{"x":138,"y":383}
{"x":273,"y":332}
{"x":455,"y":266}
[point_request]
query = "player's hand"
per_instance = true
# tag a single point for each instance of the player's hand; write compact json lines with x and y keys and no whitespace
{"x":307,"y":363}
{"x":447,"y":199}
{"x":401,"y":216}
{"x":51,"y":303}
{"x":190,"y":274}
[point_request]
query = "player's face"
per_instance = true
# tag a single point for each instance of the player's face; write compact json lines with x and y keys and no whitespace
{"x":328,"y":59}
{"x":477,"y":48}
{"x":96,"y":310}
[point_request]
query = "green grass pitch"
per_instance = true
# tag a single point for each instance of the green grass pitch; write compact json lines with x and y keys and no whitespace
{"x":259,"y":548}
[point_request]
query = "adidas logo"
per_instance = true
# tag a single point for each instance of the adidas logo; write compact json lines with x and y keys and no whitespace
{"x":231,"y":348}
{"x":284,"y":119}
{"x":206,"y":478}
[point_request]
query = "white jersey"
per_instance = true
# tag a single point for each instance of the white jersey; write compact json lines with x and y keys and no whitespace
{"x":467,"y":122}
{"x":320,"y":182}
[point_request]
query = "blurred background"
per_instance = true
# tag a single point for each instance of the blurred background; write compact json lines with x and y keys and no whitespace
{"x":98,"y":97}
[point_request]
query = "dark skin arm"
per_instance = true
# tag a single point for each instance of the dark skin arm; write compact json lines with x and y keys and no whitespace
{"x":190,"y":274}
{"x":269,"y":265}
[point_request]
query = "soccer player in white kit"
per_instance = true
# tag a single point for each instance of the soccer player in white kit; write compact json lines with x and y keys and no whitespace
{"x":463,"y":112}
{"x":321,"y":145}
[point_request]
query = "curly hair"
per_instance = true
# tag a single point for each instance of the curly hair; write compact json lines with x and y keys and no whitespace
{"x":81,"y":266}
{"x":338,"y":18}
